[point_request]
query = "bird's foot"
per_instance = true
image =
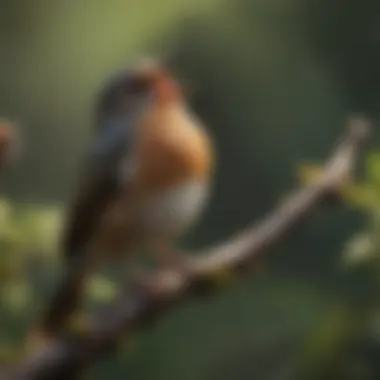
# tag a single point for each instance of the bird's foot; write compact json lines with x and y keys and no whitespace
{"x":37,"y":339}
{"x":175,"y":260}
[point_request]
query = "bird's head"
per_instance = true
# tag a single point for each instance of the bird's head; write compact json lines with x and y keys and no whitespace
{"x":129,"y":89}
{"x":154,"y":76}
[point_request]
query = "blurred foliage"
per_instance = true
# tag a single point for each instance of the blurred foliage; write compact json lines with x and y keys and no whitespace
{"x":364,"y":247}
{"x":338,"y":339}
{"x":28,"y":241}
{"x":274,"y":81}
{"x":309,"y":174}
{"x":30,"y":265}
{"x":345,"y":344}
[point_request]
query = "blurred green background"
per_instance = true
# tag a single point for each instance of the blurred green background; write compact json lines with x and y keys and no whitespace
{"x":275,"y":81}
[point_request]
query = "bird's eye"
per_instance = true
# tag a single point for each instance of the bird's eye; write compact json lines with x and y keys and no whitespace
{"x":138,"y":86}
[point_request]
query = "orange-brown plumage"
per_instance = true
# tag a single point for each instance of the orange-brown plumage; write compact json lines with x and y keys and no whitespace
{"x":173,"y":148}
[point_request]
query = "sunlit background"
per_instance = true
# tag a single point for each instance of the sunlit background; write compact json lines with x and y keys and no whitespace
{"x":274,"y":80}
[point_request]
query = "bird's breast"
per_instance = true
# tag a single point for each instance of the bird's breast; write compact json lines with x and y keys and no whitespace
{"x":173,"y":149}
{"x":172,"y":211}
{"x":175,"y":164}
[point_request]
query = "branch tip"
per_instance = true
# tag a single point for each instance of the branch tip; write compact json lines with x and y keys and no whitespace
{"x":359,"y":128}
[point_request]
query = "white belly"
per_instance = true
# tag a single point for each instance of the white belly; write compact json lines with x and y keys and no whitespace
{"x":173,"y":211}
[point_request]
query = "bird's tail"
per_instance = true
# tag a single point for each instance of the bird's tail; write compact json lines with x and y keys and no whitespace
{"x":64,"y":302}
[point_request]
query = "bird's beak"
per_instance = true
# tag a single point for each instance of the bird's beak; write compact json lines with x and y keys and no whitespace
{"x":153,"y":67}
{"x":156,"y":75}
{"x":148,"y":68}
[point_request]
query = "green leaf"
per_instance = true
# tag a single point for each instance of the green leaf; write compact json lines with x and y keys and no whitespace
{"x":100,"y":289}
{"x":373,"y":167}
{"x":363,"y":196}
{"x":360,"y":249}
{"x":308,"y":173}
{"x":17,"y":296}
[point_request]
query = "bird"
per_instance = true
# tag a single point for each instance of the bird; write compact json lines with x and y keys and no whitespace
{"x":147,"y":179}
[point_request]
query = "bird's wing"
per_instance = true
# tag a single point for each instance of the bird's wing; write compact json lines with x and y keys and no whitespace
{"x":102,"y":180}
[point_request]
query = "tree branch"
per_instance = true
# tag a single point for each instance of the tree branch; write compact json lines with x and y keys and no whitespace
{"x":66,"y":356}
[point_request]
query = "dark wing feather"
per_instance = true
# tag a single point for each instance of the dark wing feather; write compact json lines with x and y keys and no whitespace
{"x":101,"y":184}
